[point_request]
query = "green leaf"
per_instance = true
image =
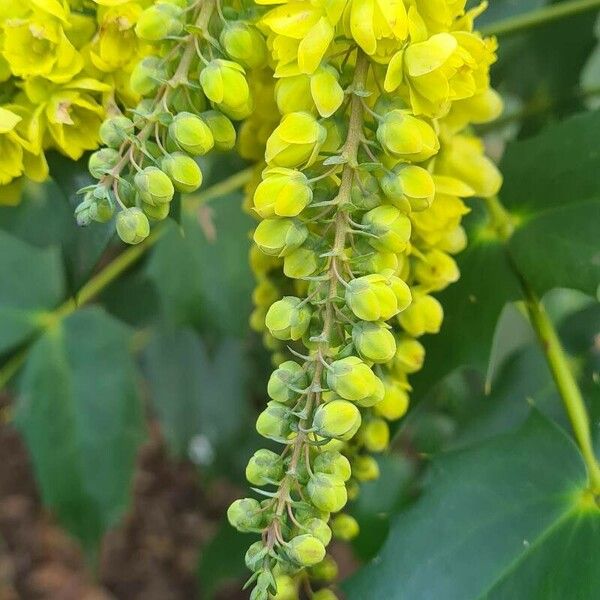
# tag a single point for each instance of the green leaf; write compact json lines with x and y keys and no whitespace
{"x":82,"y":420}
{"x":32,"y":283}
{"x":211,"y":285}
{"x":507,"y":519}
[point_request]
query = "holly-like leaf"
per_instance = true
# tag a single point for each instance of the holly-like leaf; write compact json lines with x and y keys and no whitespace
{"x":80,"y":414}
{"x":32,"y":284}
{"x":496,"y":521}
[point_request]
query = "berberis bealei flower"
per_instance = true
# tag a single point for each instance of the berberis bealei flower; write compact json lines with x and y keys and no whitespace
{"x":360,"y":201}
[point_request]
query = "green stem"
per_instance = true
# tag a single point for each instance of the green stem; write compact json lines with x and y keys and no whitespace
{"x":537,"y":18}
{"x":565,"y":382}
{"x":116,"y":268}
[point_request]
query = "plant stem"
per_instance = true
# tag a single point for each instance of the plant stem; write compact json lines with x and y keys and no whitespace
{"x":115,"y":269}
{"x":537,"y":18}
{"x":565,"y":382}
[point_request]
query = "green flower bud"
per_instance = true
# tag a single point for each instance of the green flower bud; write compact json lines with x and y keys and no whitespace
{"x":403,"y":136}
{"x":409,"y":356}
{"x":306,"y":511}
{"x":366,"y":193}
{"x":337,"y":419}
{"x":102,"y":209}
{"x":244,"y":43}
{"x":147,"y":76}
{"x":245,"y":514}
{"x":159,"y":21}
{"x":113,"y":132}
{"x":132,"y":225}
{"x":292,"y":94}
{"x":395,"y":401}
{"x":324,"y":594}
{"x":102,"y":161}
{"x":157,"y":213}
{"x":326,"y":570}
{"x":391,"y":227}
{"x":436,"y":270}
{"x":409,"y":187}
{"x":296,"y":141}
{"x":82,"y":211}
{"x":333,"y":463}
{"x":345,"y":527}
{"x":374,"y":341}
{"x":222,"y":129}
{"x":282,"y":192}
{"x":287,"y":376}
{"x":365,"y":468}
{"x":352,"y":379}
{"x":280,"y":237}
{"x":377,"y":297}
{"x":306,"y":550}
{"x":287,"y":589}
{"x":300,"y":263}
{"x":183,"y":171}
{"x":375,"y":435}
{"x":319,"y":529}
{"x":154,"y":186}
{"x":264,"y":467}
{"x":224,"y":83}
{"x":425,"y":315}
{"x":191,"y":134}
{"x":327,"y":492}
{"x":273,"y":422}
{"x":255,"y":556}
{"x":288,"y":319}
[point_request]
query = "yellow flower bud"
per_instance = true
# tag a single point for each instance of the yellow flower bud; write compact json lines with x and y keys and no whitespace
{"x":287,"y":589}
{"x":245,"y":514}
{"x":327,"y":492}
{"x":280,"y":237}
{"x":337,"y":419}
{"x":296,"y":141}
{"x":244,"y":43}
{"x":436,"y":270}
{"x":306,"y":550}
{"x":319,"y":529}
{"x":224,"y":83}
{"x":365,"y":468}
{"x":147,"y":75}
{"x":406,"y":137}
{"x":282,"y":192}
{"x":409,"y":187}
{"x":154,"y":186}
{"x":391,"y":227}
{"x":222,"y":129}
{"x":374,"y":341}
{"x":288,"y":318}
{"x":300,"y":263}
{"x":132,"y":225}
{"x":424,"y":315}
{"x":326,"y":570}
{"x":344,"y":527}
{"x":375,"y":435}
{"x":183,"y":171}
{"x":264,"y":467}
{"x":159,"y":21}
{"x":191,"y":134}
{"x":292,"y":94}
{"x":326,"y":91}
{"x":353,"y":380}
{"x":273,"y":423}
{"x":395,"y":401}
{"x":410,"y":355}
{"x":158,"y":213}
{"x":285,"y":382}
{"x":324,"y":594}
{"x":377,"y":297}
{"x":333,"y":463}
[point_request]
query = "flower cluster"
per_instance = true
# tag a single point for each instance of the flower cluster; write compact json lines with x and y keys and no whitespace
{"x":192,"y":83}
{"x":63,"y":66}
{"x":360,"y":204}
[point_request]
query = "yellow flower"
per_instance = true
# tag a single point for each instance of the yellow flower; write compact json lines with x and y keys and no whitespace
{"x":11,"y":148}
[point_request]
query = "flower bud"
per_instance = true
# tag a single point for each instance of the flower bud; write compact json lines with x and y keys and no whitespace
{"x":337,"y":419}
{"x":327,"y":492}
{"x":280,"y":237}
{"x":366,"y":193}
{"x":375,"y":435}
{"x":425,"y":315}
{"x":288,"y":319}
{"x":377,"y":297}
{"x":352,"y":379}
{"x":82,"y":211}
{"x":102,"y":209}
{"x":282,"y":192}
{"x":113,"y":132}
{"x":159,"y":21}
{"x":224,"y":83}
{"x":391,"y":227}
{"x":132,"y":225}
{"x":374,"y":341}
{"x":395,"y":401}
{"x":409,"y":356}
{"x":255,"y":556}
{"x":326,"y":90}
{"x":403,"y":136}
{"x":222,"y":129}
{"x":191,"y":134}
{"x":284,"y":379}
{"x":345,"y":527}
{"x":365,"y":468}
{"x":306,"y":550}
{"x":159,"y":212}
{"x":292,"y":94}
{"x":287,"y":589}
{"x":183,"y":171}
{"x":296,"y":141}
{"x":333,"y":463}
{"x":436,"y":270}
{"x":245,"y":514}
{"x":324,"y":594}
{"x":300,"y":263}
{"x":273,"y":422}
{"x":326,"y":570}
{"x":154,"y":186}
{"x":264,"y":467}
{"x":147,"y":75}
{"x":102,"y":161}
{"x":244,"y":43}
{"x":409,"y":187}
{"x":319,"y":529}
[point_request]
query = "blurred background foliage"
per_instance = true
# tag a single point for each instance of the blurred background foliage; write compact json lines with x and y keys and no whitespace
{"x":168,"y":339}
